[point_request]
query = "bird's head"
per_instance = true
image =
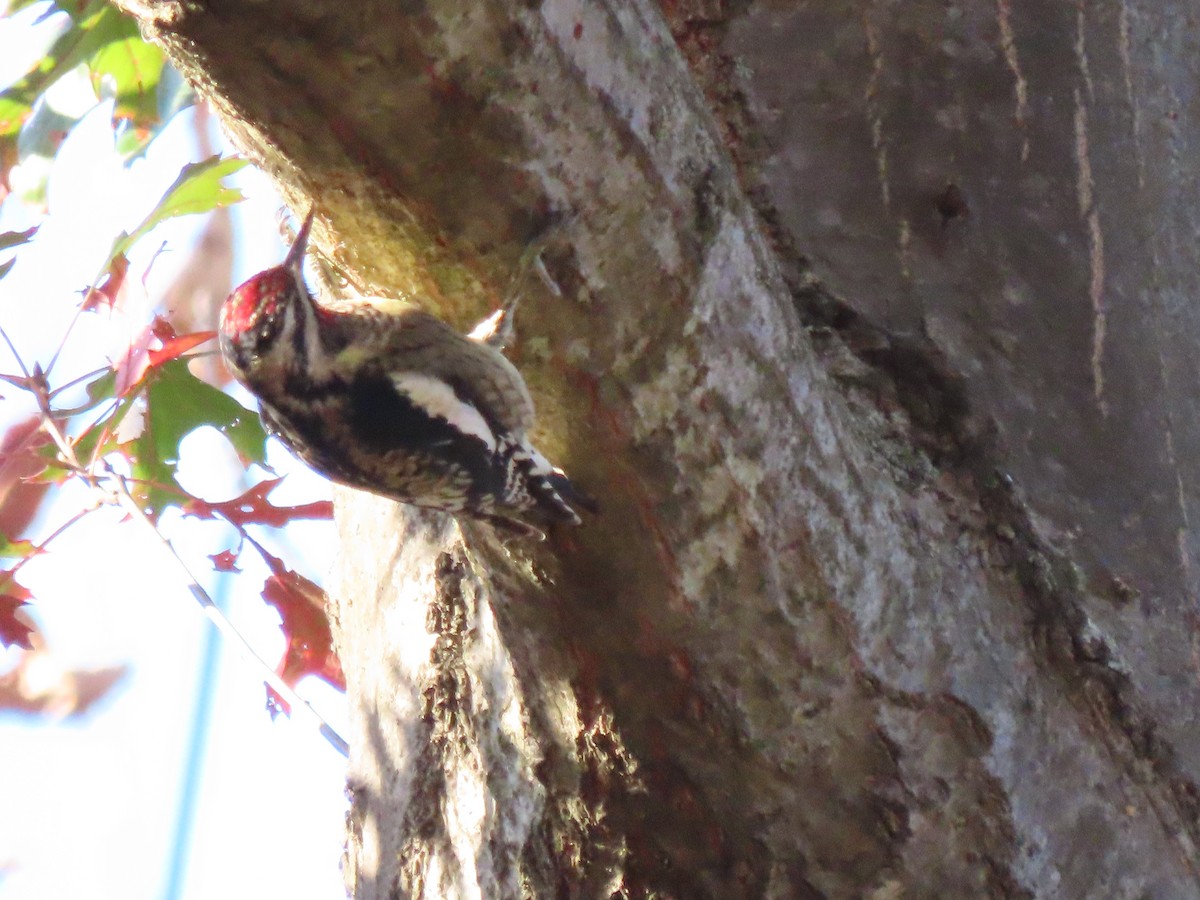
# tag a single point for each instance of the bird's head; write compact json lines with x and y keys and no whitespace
{"x":260,"y":317}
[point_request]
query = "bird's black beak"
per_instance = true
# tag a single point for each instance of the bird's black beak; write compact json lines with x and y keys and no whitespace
{"x":295,"y":257}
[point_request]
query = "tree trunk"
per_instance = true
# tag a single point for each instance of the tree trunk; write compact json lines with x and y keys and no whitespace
{"x":872,"y":335}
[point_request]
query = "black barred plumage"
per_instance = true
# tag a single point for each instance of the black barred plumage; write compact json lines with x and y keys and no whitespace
{"x":385,"y":397}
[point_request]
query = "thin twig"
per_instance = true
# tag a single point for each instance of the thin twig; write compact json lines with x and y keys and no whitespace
{"x":17,"y":356}
{"x":105,"y":431}
{"x":222,"y":623}
{"x":41,"y":547}
{"x":115,"y":490}
{"x":74,"y":381}
{"x":67,"y":332}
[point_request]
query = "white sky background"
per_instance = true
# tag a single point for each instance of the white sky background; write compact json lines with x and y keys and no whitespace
{"x":88,"y":807}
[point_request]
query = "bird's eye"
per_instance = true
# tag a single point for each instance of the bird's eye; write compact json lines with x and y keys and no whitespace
{"x":265,"y":333}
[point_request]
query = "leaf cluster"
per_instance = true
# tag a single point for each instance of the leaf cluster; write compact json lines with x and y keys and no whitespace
{"x":95,"y":37}
{"x":119,"y":428}
{"x":151,"y":382}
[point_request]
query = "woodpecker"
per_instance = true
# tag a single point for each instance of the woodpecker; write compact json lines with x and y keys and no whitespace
{"x":385,"y":397}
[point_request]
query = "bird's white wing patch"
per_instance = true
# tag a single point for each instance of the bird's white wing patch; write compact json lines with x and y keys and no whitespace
{"x":438,"y":399}
{"x":541,"y":465}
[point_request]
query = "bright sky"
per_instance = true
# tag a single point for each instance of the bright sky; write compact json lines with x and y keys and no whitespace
{"x":90,"y":807}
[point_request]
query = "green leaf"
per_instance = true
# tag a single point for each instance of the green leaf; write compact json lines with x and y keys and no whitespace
{"x":120,"y":64}
{"x":10,"y":239}
{"x":132,"y":143}
{"x":13,"y":113}
{"x":132,"y":69}
{"x":153,"y":477}
{"x":100,"y":25}
{"x":99,"y":389}
{"x":94,"y":26}
{"x":103,"y":388}
{"x":42,"y":135}
{"x":15,"y":549}
{"x":198,"y":189}
{"x":56,"y":471}
{"x":177,"y":403}
{"x":106,"y":427}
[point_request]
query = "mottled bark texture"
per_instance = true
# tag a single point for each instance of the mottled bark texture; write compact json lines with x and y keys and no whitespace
{"x":875,"y":339}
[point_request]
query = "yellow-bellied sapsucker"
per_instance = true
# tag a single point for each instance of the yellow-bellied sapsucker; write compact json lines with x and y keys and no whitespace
{"x":385,"y":397}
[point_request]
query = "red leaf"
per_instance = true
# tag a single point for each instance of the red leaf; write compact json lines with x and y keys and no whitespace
{"x":12,"y":629}
{"x":110,"y":288}
{"x":141,"y":356}
{"x":252,"y":508}
{"x":132,"y":367}
{"x":225,"y":561}
{"x":301,"y":606}
{"x":20,"y":461}
{"x":177,"y":346}
{"x":27,"y":689}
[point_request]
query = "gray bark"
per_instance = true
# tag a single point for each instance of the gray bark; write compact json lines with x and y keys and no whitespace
{"x":874,"y":342}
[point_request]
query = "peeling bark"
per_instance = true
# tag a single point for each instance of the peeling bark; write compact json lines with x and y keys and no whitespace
{"x":818,"y":642}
